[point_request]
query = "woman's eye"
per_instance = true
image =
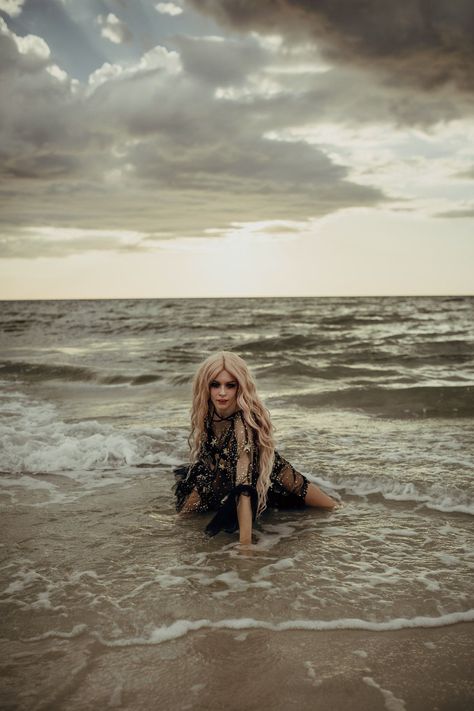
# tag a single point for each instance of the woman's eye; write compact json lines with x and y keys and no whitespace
{"x":232,"y":386}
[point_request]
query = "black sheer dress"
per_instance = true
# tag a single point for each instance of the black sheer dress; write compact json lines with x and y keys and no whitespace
{"x":227,"y":467}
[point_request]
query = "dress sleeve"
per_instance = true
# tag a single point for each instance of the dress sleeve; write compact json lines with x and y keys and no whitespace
{"x":243,"y":474}
{"x":186,"y":492}
{"x":226,"y":517}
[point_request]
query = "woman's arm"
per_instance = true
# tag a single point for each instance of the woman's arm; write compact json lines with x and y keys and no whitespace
{"x":316,"y":497}
{"x":244,"y":476}
{"x":244,"y":515}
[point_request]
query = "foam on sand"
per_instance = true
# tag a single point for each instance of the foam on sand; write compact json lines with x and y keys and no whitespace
{"x":391,"y":701}
{"x":180,"y":628}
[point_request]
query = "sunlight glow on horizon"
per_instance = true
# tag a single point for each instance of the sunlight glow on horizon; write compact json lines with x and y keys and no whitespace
{"x":354,"y":253}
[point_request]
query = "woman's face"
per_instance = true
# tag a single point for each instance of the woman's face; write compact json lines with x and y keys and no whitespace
{"x":223,"y":393}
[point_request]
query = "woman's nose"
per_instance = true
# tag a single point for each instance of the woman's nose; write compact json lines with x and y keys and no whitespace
{"x":222,"y":390}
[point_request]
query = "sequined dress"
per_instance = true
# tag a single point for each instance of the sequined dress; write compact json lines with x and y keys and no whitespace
{"x":228,"y":466}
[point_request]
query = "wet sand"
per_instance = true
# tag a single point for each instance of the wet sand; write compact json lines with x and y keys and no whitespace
{"x":55,"y":656}
{"x":421,"y":670}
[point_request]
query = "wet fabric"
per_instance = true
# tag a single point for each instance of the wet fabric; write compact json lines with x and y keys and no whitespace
{"x":227,"y":468}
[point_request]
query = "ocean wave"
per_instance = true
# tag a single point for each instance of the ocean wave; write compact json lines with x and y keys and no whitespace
{"x":348,"y":320}
{"x":76,"y":631}
{"x":443,"y":348}
{"x":417,"y":401}
{"x":36,"y":440}
{"x":283,"y":344}
{"x":293,"y":369}
{"x":24,"y":370}
{"x":437,"y":497}
{"x":297,"y":368}
{"x":42,"y":372}
{"x":181,"y":628}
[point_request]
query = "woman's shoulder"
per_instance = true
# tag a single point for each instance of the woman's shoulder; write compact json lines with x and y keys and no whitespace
{"x":243,"y":429}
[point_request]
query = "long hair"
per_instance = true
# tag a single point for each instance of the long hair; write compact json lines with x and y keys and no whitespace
{"x":254,"y":412}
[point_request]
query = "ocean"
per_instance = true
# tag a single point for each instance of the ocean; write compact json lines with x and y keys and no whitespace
{"x":109,"y":599}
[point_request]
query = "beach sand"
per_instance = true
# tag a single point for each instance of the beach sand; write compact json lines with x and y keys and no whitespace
{"x":420,"y":670}
{"x":56,"y":652}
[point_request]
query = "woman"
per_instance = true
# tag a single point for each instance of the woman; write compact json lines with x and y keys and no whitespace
{"x":234,"y":468}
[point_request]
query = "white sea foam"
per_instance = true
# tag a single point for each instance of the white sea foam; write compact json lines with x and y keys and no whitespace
{"x":29,"y":482}
{"x":404,"y":532}
{"x":61,"y":446}
{"x":24,"y":578}
{"x":180,"y":628}
{"x":43,"y":602}
{"x":30,"y":590}
{"x":76,"y":631}
{"x":311,"y":672}
{"x":447,"y":558}
{"x":78,"y":574}
{"x":35,"y":440}
{"x":434,"y":497}
{"x":392,"y":703}
{"x":232,"y":580}
{"x":430,"y":585}
{"x":271,"y":534}
{"x":282,"y":564}
{"x":164,"y":580}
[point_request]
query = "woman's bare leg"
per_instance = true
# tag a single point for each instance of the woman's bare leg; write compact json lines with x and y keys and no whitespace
{"x":315,"y":497}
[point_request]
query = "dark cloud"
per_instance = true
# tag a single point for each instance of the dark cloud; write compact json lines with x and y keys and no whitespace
{"x":44,"y":132}
{"x":466,"y":174}
{"x":151,"y":147}
{"x":246,"y":165}
{"x":281,"y":228}
{"x":189,"y":138}
{"x":343,"y":96}
{"x":32,"y":244}
{"x":45,"y":166}
{"x":425,"y":43}
{"x":152,"y":208}
{"x":465,"y":213}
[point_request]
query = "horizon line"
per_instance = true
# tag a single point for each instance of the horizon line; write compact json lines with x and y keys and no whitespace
{"x":266,"y":296}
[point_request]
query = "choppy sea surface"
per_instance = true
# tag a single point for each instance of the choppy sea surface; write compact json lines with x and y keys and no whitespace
{"x":372,"y":398}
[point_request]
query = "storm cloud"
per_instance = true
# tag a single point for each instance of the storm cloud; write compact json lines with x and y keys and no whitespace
{"x":151,"y":146}
{"x":197,"y":132}
{"x":424,"y":43}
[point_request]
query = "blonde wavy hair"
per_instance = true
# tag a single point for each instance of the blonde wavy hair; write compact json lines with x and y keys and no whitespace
{"x":254,"y":412}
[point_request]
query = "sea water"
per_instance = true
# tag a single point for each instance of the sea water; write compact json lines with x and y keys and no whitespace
{"x":371,"y":398}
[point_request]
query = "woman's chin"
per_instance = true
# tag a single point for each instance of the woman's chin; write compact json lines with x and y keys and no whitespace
{"x":224,"y":409}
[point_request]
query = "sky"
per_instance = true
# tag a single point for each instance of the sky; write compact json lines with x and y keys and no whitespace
{"x":220,"y":148}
